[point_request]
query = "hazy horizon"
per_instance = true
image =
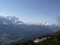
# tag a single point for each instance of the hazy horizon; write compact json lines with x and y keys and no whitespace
{"x":31,"y":11}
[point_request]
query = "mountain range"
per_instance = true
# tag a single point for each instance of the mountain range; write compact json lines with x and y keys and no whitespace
{"x":13,"y":30}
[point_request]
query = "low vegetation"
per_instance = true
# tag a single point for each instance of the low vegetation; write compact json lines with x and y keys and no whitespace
{"x":53,"y":40}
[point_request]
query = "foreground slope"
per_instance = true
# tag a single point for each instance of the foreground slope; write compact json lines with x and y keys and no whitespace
{"x":51,"y":40}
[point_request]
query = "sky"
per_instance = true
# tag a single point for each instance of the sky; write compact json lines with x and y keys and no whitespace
{"x":31,"y":11}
